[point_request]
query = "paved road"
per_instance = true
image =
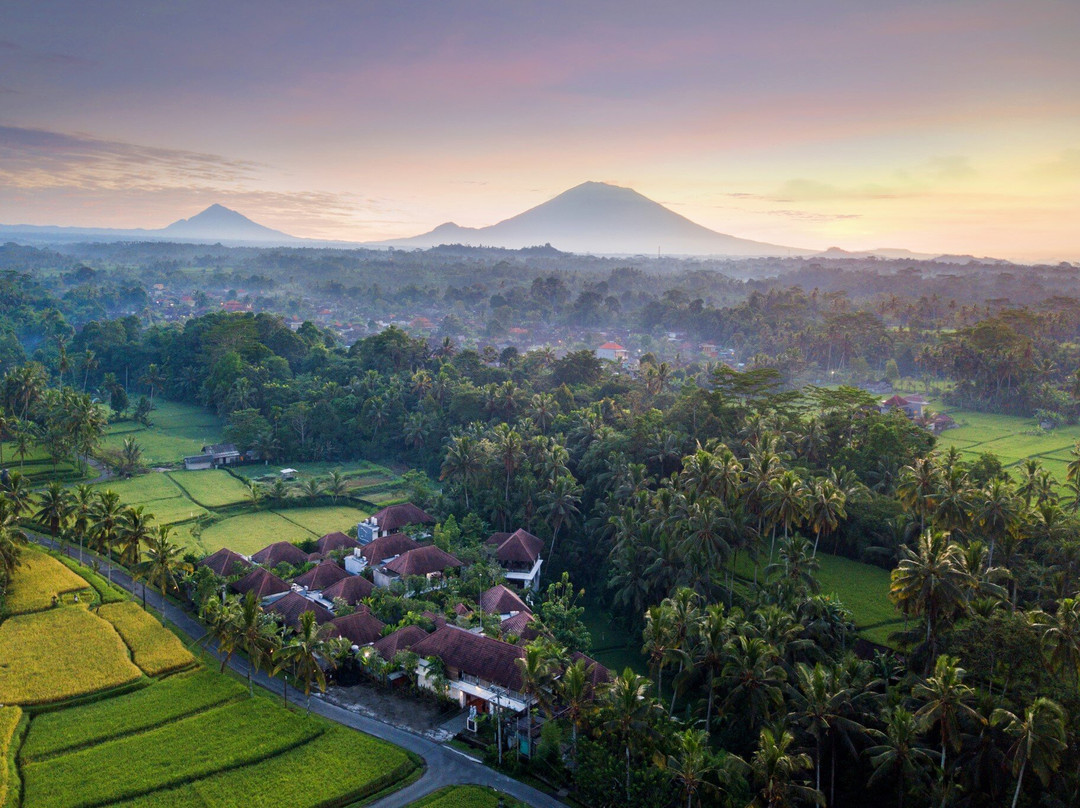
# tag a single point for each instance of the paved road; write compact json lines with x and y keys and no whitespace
{"x":445,"y":765}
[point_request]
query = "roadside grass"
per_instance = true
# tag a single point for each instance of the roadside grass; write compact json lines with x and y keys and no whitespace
{"x":249,"y":532}
{"x":216,"y":740}
{"x":37,"y":578}
{"x":171,"y":699}
{"x":212,"y":488}
{"x":339,"y":767}
{"x":9,"y":722}
{"x":321,"y":520}
{"x":154,"y":648}
{"x":60,"y":654}
{"x":466,"y":797}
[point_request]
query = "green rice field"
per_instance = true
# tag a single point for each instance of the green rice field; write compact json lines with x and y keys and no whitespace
{"x":249,"y":532}
{"x":176,"y":430}
{"x":324,"y":519}
{"x":211,"y":488}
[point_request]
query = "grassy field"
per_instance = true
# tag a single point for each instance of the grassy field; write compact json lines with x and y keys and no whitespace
{"x":43,"y":663}
{"x":176,"y":430}
{"x":154,"y":648}
{"x":212,"y":488}
{"x":324,"y":519}
{"x":38,"y":468}
{"x":249,"y":532}
{"x":465,"y":797}
{"x":37,"y":579}
{"x":169,"y":700}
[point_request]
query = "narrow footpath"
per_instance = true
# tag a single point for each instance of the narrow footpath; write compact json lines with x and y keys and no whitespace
{"x":446,"y":766}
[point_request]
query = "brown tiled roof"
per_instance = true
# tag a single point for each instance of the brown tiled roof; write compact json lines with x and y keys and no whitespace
{"x":521,"y":547}
{"x":224,"y":562}
{"x":274,"y":554}
{"x":322,"y":575}
{"x":437,"y":619}
{"x":495,"y":539}
{"x":422,"y":561}
{"x":336,"y":541}
{"x":387,"y":547}
{"x":360,"y":627}
{"x":401,"y":640}
{"x":462,"y":609}
{"x":352,"y":589}
{"x":395,"y":517}
{"x":261,"y":582}
{"x":474,"y":654}
{"x":290,"y":607}
{"x":519,"y":625}
{"x":501,"y":600}
{"x":598,"y":674}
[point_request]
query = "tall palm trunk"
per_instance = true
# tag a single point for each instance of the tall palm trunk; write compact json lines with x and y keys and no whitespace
{"x":1019,"y":782}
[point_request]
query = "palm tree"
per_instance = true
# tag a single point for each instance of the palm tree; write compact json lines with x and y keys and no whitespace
{"x":900,"y":754}
{"x":1038,"y":739}
{"x":107,"y":516}
{"x":998,"y":508}
{"x":560,"y":503}
{"x":311,"y":488}
{"x":628,"y":710}
{"x":337,"y":485}
{"x":55,"y":507}
{"x":657,"y":637}
{"x":714,"y":630}
{"x":536,"y":674}
{"x":1061,"y":638}
{"x":220,"y":619}
{"x":464,"y":462}
{"x":543,"y":409}
{"x":918,"y":488}
{"x":944,"y":696}
{"x":83,"y":500}
{"x":826,"y":509}
{"x":508,"y":448}
{"x":785,"y":504}
{"x":692,"y":764}
{"x":300,"y":652}
{"x":752,"y":679}
{"x":575,"y":691}
{"x":134,"y":530}
{"x":256,"y":634}
{"x":774,"y":772}
{"x":162,"y":565}
{"x":154,"y":379}
{"x":931,"y":583}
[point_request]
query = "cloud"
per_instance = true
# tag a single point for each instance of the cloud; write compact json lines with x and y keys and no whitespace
{"x":810,"y":216}
{"x":39,"y":158}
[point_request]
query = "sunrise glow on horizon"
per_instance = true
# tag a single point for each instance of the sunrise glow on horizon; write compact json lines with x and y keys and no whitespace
{"x":948,"y":127}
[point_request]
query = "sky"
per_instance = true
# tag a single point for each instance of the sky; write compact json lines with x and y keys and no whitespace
{"x":943,"y":127}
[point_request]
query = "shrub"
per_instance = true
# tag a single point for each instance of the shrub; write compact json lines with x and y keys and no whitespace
{"x":168,"y":700}
{"x":60,"y":654}
{"x":156,"y":649}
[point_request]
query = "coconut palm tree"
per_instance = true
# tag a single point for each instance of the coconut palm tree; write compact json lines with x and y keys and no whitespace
{"x":256,"y":634}
{"x":900,"y":754}
{"x":997,"y":509}
{"x":627,"y":710}
{"x":692,"y":765}
{"x":944,"y":698}
{"x":464,"y":462}
{"x":162,"y":565}
{"x":575,"y":691}
{"x":752,"y":679}
{"x":510,"y":452}
{"x":337,"y":486}
{"x":83,"y":499}
{"x":542,"y":409}
{"x":54,"y":507}
{"x":785,"y":504}
{"x":134,"y":530}
{"x":1061,"y":638}
{"x":301,"y":652}
{"x":1038,"y":739}
{"x":775,"y":772}
{"x":106,"y":516}
{"x":536,"y":675}
{"x":825,"y":509}
{"x":918,"y":488}
{"x":560,"y":504}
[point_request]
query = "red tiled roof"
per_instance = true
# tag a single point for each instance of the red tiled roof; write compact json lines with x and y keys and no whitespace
{"x":401,"y":640}
{"x":474,"y":654}
{"x":895,"y":401}
{"x":336,"y":541}
{"x":612,"y":346}
{"x":322,"y":575}
{"x":395,"y":517}
{"x":498,"y":538}
{"x":598,"y":674}
{"x":521,"y":547}
{"x":290,"y":607}
{"x":501,"y":600}
{"x":352,"y":589}
{"x":261,"y":582}
{"x":225,"y":562}
{"x":462,"y":609}
{"x":387,"y":547}
{"x":519,"y":625}
{"x":422,"y":561}
{"x":274,"y":554}
{"x":360,"y":627}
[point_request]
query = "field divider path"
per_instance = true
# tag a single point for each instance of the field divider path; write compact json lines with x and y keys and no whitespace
{"x":445,"y":765}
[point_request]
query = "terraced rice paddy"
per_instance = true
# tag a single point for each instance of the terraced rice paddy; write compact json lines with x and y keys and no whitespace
{"x":154,"y":648}
{"x":176,"y":430}
{"x":40,"y":577}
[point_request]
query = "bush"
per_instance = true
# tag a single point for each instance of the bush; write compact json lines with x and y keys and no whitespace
{"x":168,"y":700}
{"x":155,"y":649}
{"x":60,"y":654}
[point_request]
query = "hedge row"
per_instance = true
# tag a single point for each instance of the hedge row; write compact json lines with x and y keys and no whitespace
{"x":192,"y":748}
{"x":338,"y":768}
{"x":168,"y":700}
{"x":155,"y":649}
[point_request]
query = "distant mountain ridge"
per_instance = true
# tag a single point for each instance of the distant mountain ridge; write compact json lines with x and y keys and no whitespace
{"x":599,"y":218}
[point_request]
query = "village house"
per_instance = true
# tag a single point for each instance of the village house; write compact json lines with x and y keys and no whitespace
{"x":214,"y":456}
{"x":912,"y":406}
{"x":225,"y":563}
{"x":427,"y":561}
{"x":613,"y":352}
{"x":392,"y":519}
{"x":518,"y":553}
{"x":384,"y":548}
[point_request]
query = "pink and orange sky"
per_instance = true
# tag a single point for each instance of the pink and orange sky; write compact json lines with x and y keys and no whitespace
{"x":937,"y":126}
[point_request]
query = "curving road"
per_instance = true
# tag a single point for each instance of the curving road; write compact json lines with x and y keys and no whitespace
{"x":446,"y":766}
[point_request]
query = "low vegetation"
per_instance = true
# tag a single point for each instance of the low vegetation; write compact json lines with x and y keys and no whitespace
{"x":214,"y":488}
{"x":37,"y":580}
{"x":465,"y":797}
{"x":9,"y":723}
{"x":44,"y":664}
{"x":154,"y":648}
{"x":171,"y":699}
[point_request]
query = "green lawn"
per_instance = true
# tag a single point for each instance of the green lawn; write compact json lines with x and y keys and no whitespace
{"x":250,"y":532}
{"x":176,"y":430}
{"x":324,"y":519}
{"x":212,"y":488}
